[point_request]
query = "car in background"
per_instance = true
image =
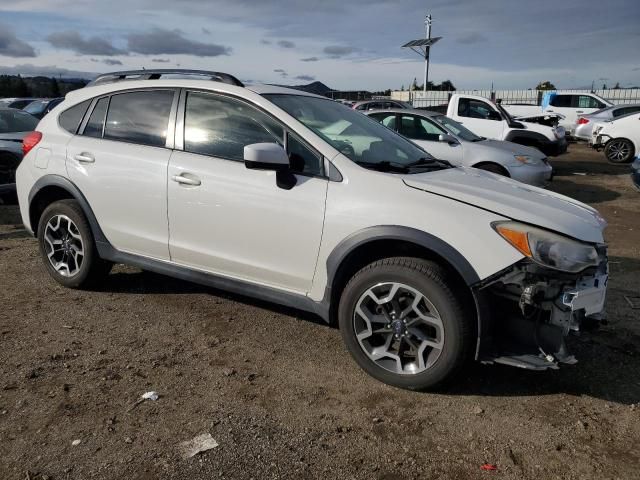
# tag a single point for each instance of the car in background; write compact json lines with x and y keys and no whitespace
{"x":584,"y":124}
{"x":635,"y":172}
{"x":447,"y":139}
{"x":566,"y":105}
{"x":491,"y":120}
{"x":620,"y":138}
{"x":380,"y":105}
{"x":18,"y":103}
{"x":14,"y":126}
{"x":39,"y":108}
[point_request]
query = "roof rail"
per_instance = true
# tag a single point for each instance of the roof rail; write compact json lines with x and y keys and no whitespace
{"x":155,"y":74}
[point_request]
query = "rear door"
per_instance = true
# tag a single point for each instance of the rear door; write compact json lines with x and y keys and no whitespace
{"x":236,"y":222}
{"x":119,"y":161}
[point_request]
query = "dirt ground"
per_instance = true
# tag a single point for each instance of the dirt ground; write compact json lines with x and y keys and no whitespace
{"x":279,"y":393}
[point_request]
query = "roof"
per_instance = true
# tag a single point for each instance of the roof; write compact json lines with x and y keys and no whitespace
{"x":92,"y":91}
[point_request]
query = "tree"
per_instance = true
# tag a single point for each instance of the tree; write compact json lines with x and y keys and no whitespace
{"x":546,"y":85}
{"x":617,"y":86}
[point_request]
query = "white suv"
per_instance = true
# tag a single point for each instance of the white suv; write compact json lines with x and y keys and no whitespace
{"x":295,"y":199}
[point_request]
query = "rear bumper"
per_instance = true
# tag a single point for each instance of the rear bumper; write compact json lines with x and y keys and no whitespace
{"x":7,"y":188}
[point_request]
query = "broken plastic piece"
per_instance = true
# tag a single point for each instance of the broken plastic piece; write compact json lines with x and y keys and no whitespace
{"x":153,"y":396}
{"x":196,"y":445}
{"x":489,"y":467}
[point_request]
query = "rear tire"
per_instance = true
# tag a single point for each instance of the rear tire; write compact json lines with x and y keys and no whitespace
{"x":619,"y":150}
{"x":418,"y":332}
{"x":68,"y":248}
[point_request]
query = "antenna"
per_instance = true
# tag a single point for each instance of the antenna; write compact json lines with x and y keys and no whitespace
{"x":422,"y":46}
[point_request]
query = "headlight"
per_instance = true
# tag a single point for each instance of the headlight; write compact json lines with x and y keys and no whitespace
{"x":524,"y":160}
{"x":547,"y":248}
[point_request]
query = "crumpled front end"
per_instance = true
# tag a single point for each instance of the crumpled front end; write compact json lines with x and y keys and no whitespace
{"x":527,"y":311}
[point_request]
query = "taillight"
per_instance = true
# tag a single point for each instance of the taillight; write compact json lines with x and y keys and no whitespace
{"x":30,"y":141}
{"x":583,"y":121}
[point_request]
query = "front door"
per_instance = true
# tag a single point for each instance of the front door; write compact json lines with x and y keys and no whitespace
{"x":232,"y":221}
{"x":119,"y":162}
{"x":481,"y":118}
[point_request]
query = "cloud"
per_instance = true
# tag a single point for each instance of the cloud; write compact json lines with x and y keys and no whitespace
{"x":160,"y":60}
{"x":30,"y":70}
{"x":206,"y":31}
{"x":265,"y":42}
{"x":337,"y":51}
{"x":309,"y":59}
{"x":282,"y":72}
{"x":307,"y":78}
{"x":107,"y":61}
{"x":286,"y":44}
{"x":160,"y":41}
{"x":12,"y":46}
{"x":71,"y":40}
{"x":470,"y":38}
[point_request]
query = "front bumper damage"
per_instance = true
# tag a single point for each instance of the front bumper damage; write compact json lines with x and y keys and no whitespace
{"x":527,"y":311}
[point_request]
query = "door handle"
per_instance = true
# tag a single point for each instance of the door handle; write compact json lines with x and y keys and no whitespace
{"x":85,"y":157}
{"x":550,"y":111}
{"x":186,"y":180}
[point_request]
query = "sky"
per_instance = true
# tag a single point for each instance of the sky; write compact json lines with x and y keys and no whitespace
{"x":353,"y":44}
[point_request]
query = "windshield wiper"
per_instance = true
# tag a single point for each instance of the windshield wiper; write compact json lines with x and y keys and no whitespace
{"x":385,"y":166}
{"x":429,"y":162}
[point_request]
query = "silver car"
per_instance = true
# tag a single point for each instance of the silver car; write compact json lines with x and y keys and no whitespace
{"x":449,"y":140}
{"x":365,"y":105}
{"x":584,"y":124}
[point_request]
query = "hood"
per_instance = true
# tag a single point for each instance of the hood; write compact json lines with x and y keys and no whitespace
{"x":514,"y":200}
{"x":510,"y":148}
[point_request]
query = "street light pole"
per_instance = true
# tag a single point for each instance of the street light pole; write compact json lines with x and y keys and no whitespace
{"x":427,"y":23}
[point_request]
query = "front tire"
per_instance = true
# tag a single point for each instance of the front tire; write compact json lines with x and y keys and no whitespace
{"x":67,"y":246}
{"x":619,"y":150}
{"x":406,"y":323}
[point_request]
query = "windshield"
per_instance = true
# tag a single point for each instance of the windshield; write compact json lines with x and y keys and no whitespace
{"x":457,"y":129}
{"x":36,"y":107}
{"x":16,"y":121}
{"x":360,"y":138}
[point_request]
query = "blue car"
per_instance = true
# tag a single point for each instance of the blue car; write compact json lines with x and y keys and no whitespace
{"x":14,"y":125}
{"x":635,"y":172}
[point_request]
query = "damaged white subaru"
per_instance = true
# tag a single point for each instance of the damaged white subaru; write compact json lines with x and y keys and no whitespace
{"x":295,"y":199}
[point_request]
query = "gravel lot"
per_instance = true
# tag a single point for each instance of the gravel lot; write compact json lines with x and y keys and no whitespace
{"x":279,"y":393}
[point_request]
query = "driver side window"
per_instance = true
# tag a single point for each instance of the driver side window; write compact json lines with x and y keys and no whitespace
{"x":222,"y":127}
{"x":471,"y":108}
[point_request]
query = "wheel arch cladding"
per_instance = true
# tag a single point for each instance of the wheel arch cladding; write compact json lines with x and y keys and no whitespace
{"x":374,"y":243}
{"x":51,"y":188}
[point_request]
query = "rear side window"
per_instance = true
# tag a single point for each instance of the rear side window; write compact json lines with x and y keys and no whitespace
{"x":139,"y":117}
{"x":70,"y":119}
{"x":95,"y":125}
{"x":222,"y":127}
{"x":561,"y":100}
{"x":625,"y":111}
{"x":585,"y":101}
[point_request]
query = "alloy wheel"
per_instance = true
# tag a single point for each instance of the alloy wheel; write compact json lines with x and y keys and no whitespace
{"x":618,"y":151}
{"x":398,"y":328}
{"x":64,"y":245}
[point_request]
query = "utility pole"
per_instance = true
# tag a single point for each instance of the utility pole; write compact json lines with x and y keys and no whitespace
{"x":427,"y":23}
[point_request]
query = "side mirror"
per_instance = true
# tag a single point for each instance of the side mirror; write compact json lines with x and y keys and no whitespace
{"x":450,"y":139}
{"x":493,"y":115}
{"x":270,"y":156}
{"x":266,"y":156}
